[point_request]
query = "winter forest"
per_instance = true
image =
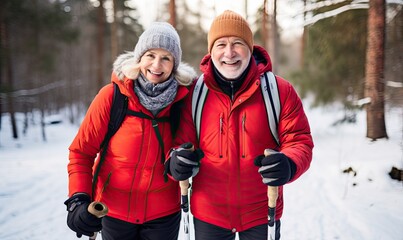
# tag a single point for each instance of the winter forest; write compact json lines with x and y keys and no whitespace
{"x":57,"y":54}
{"x":345,"y":55}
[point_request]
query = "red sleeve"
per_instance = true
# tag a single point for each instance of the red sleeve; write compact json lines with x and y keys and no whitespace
{"x":187,"y":131}
{"x":86,"y":145}
{"x":294,"y":130}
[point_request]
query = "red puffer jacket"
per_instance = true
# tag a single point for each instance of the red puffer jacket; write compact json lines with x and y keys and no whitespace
{"x":131,"y":181}
{"x":228,"y":190}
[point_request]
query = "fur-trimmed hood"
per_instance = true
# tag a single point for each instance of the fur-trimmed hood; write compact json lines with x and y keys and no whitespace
{"x":125,"y":65}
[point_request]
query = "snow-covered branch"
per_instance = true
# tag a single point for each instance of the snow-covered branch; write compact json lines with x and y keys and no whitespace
{"x":35,"y":91}
{"x":313,"y":6}
{"x":361,"y":102}
{"x":395,"y":1}
{"x":334,"y":12}
{"x":394,"y":84}
{"x":357,"y":4}
{"x":317,"y":5}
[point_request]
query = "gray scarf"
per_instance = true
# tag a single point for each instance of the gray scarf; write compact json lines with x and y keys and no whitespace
{"x":155,"y":97}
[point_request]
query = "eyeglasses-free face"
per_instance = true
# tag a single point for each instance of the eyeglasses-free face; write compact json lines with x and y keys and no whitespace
{"x":231,"y":56}
{"x":156,"y":65}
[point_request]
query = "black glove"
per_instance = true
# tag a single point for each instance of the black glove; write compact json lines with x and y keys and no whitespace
{"x":184,"y":162}
{"x":276,"y":169}
{"x":79,"y":219}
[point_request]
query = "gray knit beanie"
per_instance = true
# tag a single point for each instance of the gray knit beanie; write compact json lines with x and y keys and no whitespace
{"x":159,"y":35}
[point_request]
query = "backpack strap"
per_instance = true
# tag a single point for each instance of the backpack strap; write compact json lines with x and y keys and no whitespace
{"x":270,"y":95}
{"x":117,"y":115}
{"x":175,"y":115}
{"x":155,"y":122}
{"x":272,"y":102}
{"x":198,"y":99}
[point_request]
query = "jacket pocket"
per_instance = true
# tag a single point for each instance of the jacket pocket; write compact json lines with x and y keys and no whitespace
{"x":243,"y":135}
{"x":118,"y":176}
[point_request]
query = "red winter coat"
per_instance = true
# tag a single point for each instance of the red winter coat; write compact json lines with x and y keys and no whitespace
{"x":131,"y":181}
{"x":228,"y":190}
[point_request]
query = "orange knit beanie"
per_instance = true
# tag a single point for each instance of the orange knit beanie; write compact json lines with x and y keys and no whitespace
{"x":228,"y":24}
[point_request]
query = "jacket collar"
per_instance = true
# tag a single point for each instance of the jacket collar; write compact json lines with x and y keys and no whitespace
{"x":259,"y":64}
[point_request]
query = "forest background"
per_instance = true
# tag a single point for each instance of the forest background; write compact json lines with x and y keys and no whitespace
{"x":57,"y":54}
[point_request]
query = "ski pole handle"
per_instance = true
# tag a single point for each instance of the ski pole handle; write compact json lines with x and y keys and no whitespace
{"x":184,"y":185}
{"x":272,"y":195}
{"x":98,"y":209}
{"x":272,"y":192}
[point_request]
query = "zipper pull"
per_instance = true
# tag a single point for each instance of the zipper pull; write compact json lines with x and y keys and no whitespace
{"x":232,"y":90}
{"x":243,"y":122}
{"x":221,"y":123}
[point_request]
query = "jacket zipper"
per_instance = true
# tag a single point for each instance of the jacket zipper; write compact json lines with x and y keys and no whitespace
{"x":243,"y":135}
{"x":220,"y":137}
{"x":232,"y":90}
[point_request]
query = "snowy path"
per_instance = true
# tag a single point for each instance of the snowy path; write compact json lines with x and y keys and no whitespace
{"x":33,"y":180}
{"x":328,"y":204}
{"x":323,"y":204}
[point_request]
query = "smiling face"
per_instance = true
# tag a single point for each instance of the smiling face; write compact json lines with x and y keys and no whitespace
{"x":156,"y":65}
{"x":231,"y":56}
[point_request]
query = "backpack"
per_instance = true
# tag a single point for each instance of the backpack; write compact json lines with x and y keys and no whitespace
{"x":270,"y":95}
{"x":119,"y":111}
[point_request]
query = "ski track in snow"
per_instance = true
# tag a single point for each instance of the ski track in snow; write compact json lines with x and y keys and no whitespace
{"x":323,"y":204}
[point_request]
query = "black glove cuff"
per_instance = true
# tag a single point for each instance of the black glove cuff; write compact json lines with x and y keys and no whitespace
{"x":293,"y":168}
{"x":76,"y":200}
{"x":167,"y":170}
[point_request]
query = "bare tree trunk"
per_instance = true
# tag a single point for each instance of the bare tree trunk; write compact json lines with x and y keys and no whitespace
{"x":172,"y":13}
{"x":5,"y":48}
{"x":37,"y":75}
{"x":114,"y":35}
{"x":25,"y":123}
{"x":275,"y":41}
{"x":43,"y":124}
{"x":374,"y":74}
{"x":270,"y":36}
{"x":100,"y":44}
{"x":264,"y":26}
{"x":246,"y":9}
{"x":303,"y":40}
{"x":2,"y":21}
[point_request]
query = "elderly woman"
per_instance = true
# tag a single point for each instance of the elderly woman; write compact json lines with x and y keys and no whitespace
{"x":130,"y":181}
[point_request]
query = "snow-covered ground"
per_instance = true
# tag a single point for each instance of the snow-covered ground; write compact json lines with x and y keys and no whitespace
{"x":324,"y":204}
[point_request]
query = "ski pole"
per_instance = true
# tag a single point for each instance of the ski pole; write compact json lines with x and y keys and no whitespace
{"x":272,"y":194}
{"x":98,"y":209}
{"x":184,"y":185}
